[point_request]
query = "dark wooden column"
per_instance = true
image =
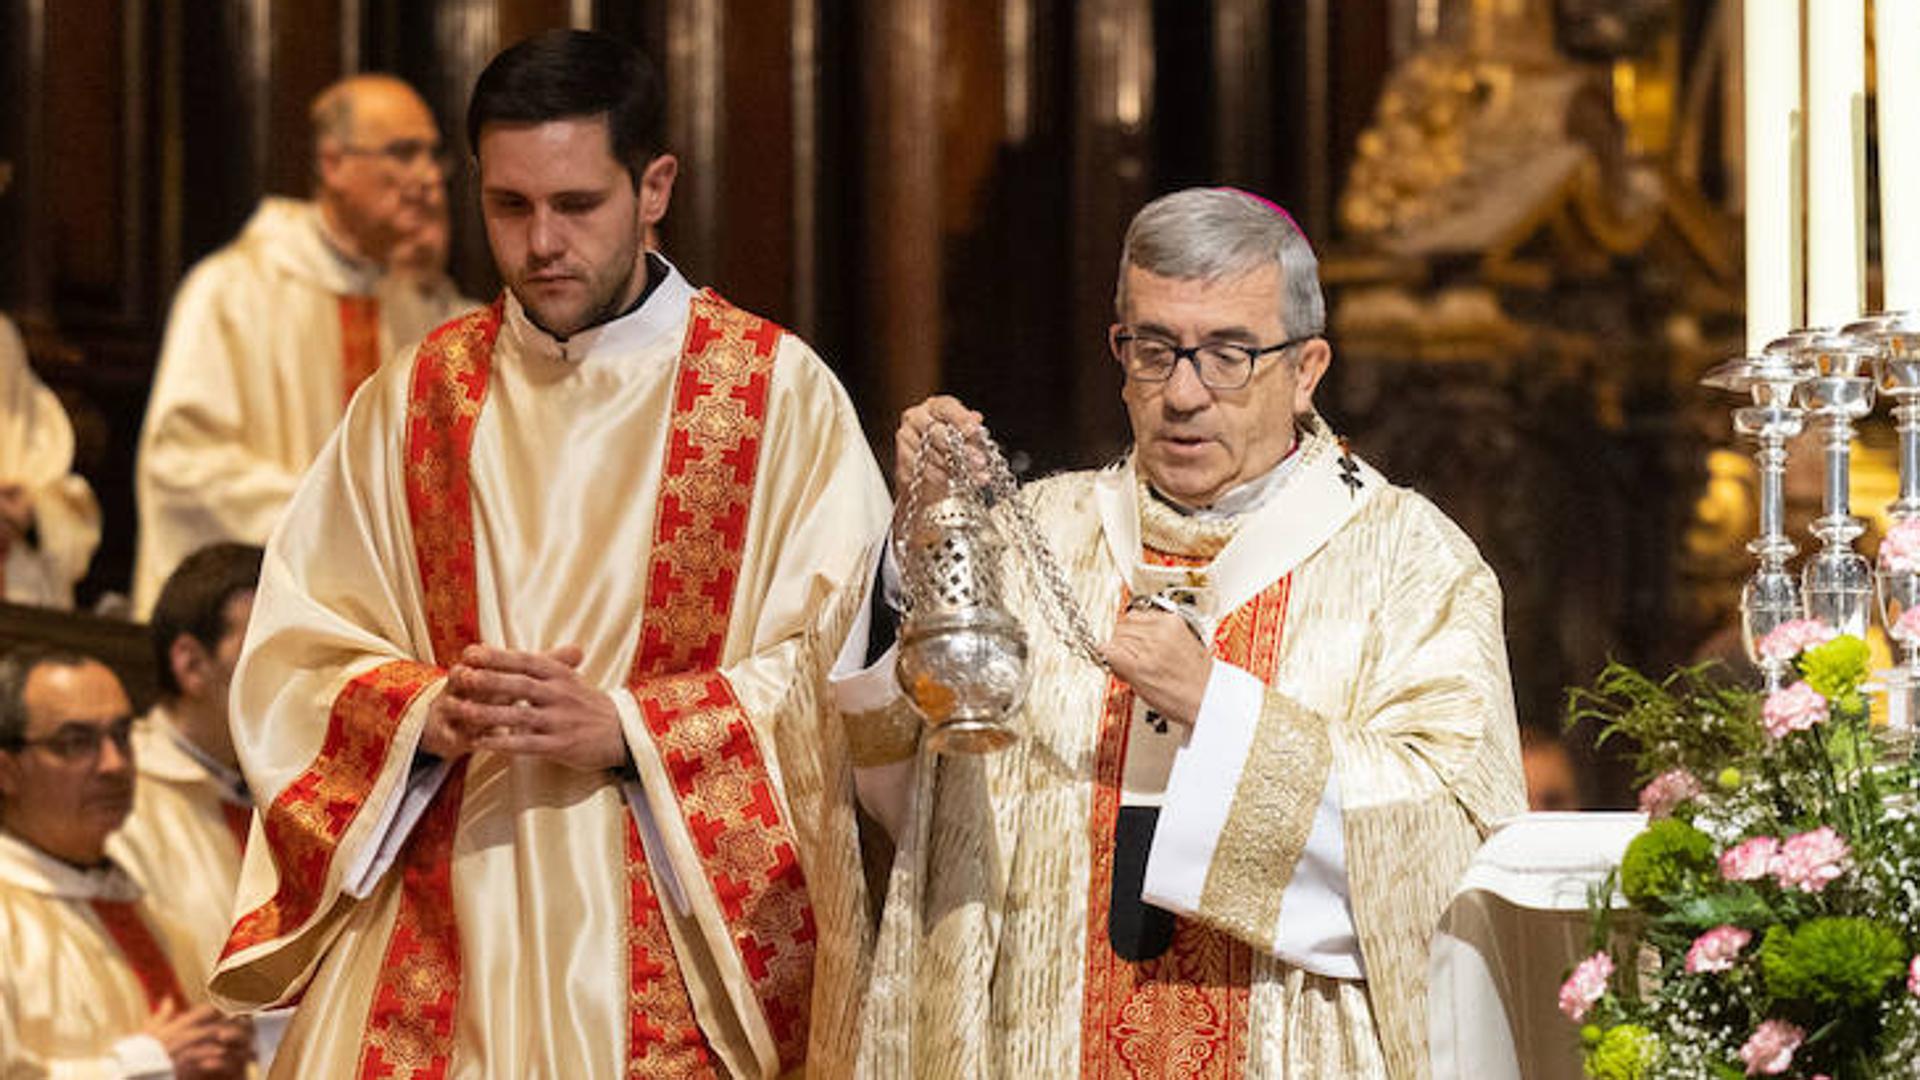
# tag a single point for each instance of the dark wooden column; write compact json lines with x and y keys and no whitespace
{"x":903,"y":175}
{"x":1113,"y":110}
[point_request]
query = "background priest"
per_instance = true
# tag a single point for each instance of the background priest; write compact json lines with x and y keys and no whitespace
{"x":528,"y":703}
{"x":270,"y":335}
{"x":191,"y":810}
{"x":93,"y":981}
{"x":1226,"y":857}
{"x":49,"y":520}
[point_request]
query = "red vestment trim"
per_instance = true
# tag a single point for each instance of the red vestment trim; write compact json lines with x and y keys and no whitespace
{"x":704,"y":737}
{"x":1182,"y":1013}
{"x":136,"y":942}
{"x":409,"y":1032}
{"x":359,"y":342}
{"x":305,"y":822}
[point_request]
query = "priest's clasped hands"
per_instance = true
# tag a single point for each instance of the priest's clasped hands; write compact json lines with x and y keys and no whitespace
{"x":534,"y":704}
{"x":1152,"y":651}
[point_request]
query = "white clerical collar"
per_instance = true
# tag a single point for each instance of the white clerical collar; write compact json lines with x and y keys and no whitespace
{"x":233,"y":786}
{"x":27,"y":867}
{"x":665,"y":311}
{"x":1243,"y":498}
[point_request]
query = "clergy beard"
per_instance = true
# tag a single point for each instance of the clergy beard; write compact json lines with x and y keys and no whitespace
{"x":603,"y":305}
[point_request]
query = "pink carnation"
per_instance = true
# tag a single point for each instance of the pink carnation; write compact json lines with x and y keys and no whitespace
{"x":1749,"y":861}
{"x":1900,"y":551}
{"x":1790,"y":639}
{"x":1717,"y":949}
{"x":1796,"y":708}
{"x":1913,"y":977}
{"x":1907,"y":626}
{"x":1666,"y":791}
{"x":1810,"y":860}
{"x":1769,"y":1051}
{"x":1585,"y":986}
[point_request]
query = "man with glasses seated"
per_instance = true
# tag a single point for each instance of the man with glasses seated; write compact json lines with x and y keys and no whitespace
{"x":92,"y":980}
{"x":1226,"y":855}
{"x":270,"y":336}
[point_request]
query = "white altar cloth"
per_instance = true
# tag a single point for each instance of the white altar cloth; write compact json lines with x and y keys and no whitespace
{"x":1516,"y":926}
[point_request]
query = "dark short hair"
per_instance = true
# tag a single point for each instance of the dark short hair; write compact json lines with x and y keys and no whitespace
{"x":194,"y":602}
{"x":573,"y":73}
{"x":17,"y":666}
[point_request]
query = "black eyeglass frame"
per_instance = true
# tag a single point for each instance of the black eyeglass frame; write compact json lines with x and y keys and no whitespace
{"x":1120,"y":336}
{"x":407,"y":154}
{"x":119,"y":730}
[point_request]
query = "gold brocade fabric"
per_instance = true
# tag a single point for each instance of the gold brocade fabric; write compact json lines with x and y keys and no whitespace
{"x":566,"y":464}
{"x":252,"y":379}
{"x":1392,"y":643}
{"x":36,"y":452}
{"x":178,"y":843}
{"x":67,"y":991}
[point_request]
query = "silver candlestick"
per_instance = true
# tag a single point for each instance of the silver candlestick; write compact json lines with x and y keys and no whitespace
{"x":1771,"y":596}
{"x":1896,"y":338}
{"x":1837,"y":582}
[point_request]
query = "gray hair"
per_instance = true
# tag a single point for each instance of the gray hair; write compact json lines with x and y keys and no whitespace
{"x":1212,"y":233}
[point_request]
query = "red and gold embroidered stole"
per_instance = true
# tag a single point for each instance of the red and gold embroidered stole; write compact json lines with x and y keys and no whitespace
{"x":359,"y":342}
{"x":136,"y":942}
{"x":1184,"y":1012}
{"x":703,"y":735}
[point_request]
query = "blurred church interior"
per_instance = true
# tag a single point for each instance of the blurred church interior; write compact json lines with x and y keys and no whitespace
{"x":1527,"y":213}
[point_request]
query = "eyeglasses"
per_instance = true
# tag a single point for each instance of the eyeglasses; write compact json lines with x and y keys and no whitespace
{"x":408,"y":153}
{"x":79,"y":743}
{"x":1221,"y":365}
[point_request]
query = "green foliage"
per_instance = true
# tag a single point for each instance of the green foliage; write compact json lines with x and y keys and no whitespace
{"x":1840,"y":960}
{"x":1832,"y":961}
{"x":1624,"y":1052}
{"x":1665,"y":860}
{"x":1689,"y":720}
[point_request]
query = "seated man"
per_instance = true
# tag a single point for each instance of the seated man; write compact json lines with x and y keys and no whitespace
{"x":90,"y":976}
{"x":191,"y":810}
{"x":1225,"y":853}
{"x":49,"y":521}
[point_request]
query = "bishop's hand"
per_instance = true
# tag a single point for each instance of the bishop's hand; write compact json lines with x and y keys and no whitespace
{"x":536,"y":704}
{"x":911,"y":441}
{"x":1156,"y":653}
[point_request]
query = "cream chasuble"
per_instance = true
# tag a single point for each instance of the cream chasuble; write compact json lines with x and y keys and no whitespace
{"x":620,"y":491}
{"x":1382,"y":710}
{"x":183,"y":840}
{"x":36,"y":452}
{"x":267,"y":339}
{"x":83,"y":963}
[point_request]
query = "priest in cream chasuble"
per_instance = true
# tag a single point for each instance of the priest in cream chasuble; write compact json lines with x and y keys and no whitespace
{"x":192,"y":811}
{"x":1226,"y":857}
{"x":95,"y":981}
{"x":270,"y":335}
{"x":49,"y":519}
{"x":626,"y":513}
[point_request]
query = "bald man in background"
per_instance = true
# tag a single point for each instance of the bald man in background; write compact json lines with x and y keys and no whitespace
{"x":270,"y":336}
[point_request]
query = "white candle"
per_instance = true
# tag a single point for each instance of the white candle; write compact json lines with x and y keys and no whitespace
{"x":1897,"y":90}
{"x":1771,"y":62}
{"x":1836,"y":161}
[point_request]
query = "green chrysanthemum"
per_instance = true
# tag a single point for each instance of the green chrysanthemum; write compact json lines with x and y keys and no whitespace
{"x":1663,"y":859}
{"x":1832,"y":961}
{"x":1625,"y":1052}
{"x":1836,"y":669}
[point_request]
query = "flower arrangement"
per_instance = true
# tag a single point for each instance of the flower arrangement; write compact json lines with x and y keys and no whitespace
{"x":1772,"y":911}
